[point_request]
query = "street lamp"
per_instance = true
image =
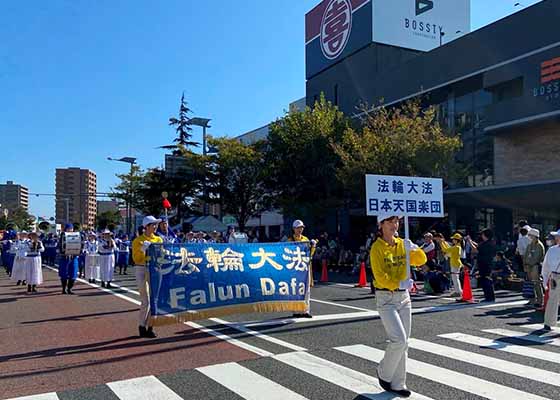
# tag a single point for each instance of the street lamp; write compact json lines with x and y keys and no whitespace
{"x":203,"y":122}
{"x":131,"y":161}
{"x":441,"y":35}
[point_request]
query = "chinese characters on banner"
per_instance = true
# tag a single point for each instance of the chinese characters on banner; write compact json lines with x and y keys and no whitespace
{"x":404,"y":195}
{"x":198,"y":281}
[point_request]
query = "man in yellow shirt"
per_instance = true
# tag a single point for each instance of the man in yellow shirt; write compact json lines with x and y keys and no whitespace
{"x":139,"y":247}
{"x":297,"y":236}
{"x":392,"y":283}
{"x":454,"y":252}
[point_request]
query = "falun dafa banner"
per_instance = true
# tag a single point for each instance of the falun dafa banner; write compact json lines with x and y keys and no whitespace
{"x":404,"y":196}
{"x":198,"y":281}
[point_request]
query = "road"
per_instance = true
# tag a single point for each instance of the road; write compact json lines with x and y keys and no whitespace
{"x":85,"y":347}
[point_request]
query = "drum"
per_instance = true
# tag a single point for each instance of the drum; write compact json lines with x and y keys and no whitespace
{"x":71,"y":243}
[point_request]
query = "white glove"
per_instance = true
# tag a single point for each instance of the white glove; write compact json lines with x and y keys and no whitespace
{"x":313,"y":242}
{"x":406,"y":284}
{"x":408,"y":245}
{"x":145,"y":245}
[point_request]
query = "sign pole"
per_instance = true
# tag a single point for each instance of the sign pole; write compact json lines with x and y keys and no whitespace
{"x":407,"y":236}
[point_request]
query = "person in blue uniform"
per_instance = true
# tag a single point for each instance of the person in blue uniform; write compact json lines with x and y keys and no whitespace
{"x":67,"y":265}
{"x":123,"y":254}
{"x":166,"y":234}
{"x":50,"y":249}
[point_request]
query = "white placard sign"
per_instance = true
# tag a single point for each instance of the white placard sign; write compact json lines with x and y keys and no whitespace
{"x":404,"y":196}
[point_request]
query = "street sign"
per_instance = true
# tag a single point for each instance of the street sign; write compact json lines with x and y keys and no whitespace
{"x":404,"y":196}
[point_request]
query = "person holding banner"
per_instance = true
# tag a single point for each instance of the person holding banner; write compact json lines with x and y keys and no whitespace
{"x":297,"y":236}
{"x":392,"y":283}
{"x":140,"y":246}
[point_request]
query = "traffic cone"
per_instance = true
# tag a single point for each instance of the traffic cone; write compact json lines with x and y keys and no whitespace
{"x":467,"y":291}
{"x":362,"y":282}
{"x":546,"y":293}
{"x":324,"y":273}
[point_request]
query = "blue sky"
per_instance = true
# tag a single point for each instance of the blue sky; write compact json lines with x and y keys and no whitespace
{"x":84,"y":80}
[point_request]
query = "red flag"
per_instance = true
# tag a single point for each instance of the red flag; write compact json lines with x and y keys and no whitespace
{"x":166,"y":204}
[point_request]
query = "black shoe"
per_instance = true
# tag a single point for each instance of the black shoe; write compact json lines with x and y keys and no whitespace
{"x":102,"y":284}
{"x":18,"y":283}
{"x":142,"y":331}
{"x":384,"y":384}
{"x":33,"y":289}
{"x":28,"y":288}
{"x":150,"y":333}
{"x":69,"y":291}
{"x":403,"y":392}
{"x":547,"y":328}
{"x":64,"y":291}
{"x":109,"y":285}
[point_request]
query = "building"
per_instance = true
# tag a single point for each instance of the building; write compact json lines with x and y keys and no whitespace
{"x":13,"y":196}
{"x":498,"y":87}
{"x":104,"y":206}
{"x":75,"y":194}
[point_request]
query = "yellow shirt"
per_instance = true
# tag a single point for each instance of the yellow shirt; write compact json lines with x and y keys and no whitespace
{"x":388,"y":263}
{"x":454,"y":253}
{"x":303,"y":239}
{"x":138,"y":255}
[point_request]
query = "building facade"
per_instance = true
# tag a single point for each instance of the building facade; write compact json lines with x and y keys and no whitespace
{"x":13,"y":196}
{"x":497,"y":87}
{"x":76,"y":196}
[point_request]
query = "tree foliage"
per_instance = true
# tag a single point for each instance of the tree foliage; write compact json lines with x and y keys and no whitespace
{"x":300,"y":161}
{"x":182,"y":123}
{"x":108,"y":219}
{"x":18,"y":219}
{"x":238,"y":176}
{"x":405,"y":141}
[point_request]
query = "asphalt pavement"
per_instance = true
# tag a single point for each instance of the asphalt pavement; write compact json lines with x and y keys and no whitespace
{"x":84,"y":347}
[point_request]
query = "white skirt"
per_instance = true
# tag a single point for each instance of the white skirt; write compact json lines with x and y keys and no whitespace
{"x":19,"y":269}
{"x":92,"y":266}
{"x":106,"y":267}
{"x":34,"y":270}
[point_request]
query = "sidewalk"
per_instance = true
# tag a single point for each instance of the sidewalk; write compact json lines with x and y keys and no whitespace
{"x":52,"y":342}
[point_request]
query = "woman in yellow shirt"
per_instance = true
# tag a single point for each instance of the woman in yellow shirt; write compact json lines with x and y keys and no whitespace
{"x":298,"y":236}
{"x":454,"y":252}
{"x":392,"y":283}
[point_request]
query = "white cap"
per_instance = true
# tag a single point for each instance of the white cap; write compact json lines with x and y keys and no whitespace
{"x":107,"y":231}
{"x":527,"y":228}
{"x":297,"y":223}
{"x":23,"y":232}
{"x":534,"y":232}
{"x":150,"y":219}
{"x":557,"y":233}
{"x":383,"y":217}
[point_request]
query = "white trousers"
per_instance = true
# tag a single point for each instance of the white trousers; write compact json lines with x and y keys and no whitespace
{"x":19,"y":269}
{"x":144,"y":289}
{"x":456,"y":280}
{"x":551,"y":312}
{"x":92,"y":266}
{"x":395,"y":311}
{"x":106,"y":267}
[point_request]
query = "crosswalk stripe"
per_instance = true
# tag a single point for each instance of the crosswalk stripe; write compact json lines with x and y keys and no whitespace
{"x":543,"y":339}
{"x":44,"y":396}
{"x":445,"y":376}
{"x":346,"y":378}
{"x":145,"y":388}
{"x":504,"y":346}
{"x":248,"y":384}
{"x":537,"y":326}
{"x":523,"y":371}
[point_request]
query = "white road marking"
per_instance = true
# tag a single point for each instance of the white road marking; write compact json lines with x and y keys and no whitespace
{"x":543,"y":339}
{"x":44,"y":396}
{"x":248,"y":384}
{"x":469,"y":384}
{"x":145,"y":388}
{"x":499,"y":345}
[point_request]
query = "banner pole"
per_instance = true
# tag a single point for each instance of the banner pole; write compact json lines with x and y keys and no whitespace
{"x":407,"y":236}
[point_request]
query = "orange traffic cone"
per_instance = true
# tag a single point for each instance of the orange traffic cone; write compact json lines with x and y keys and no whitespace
{"x":546,"y":293}
{"x":324,"y":273}
{"x":362,"y":282}
{"x":467,"y":291}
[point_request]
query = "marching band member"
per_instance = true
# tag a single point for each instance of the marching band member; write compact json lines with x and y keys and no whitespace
{"x":50,"y":249}
{"x":7,"y":252}
{"x":551,"y":279}
{"x":139,"y":247}
{"x":34,"y":267}
{"x":67,"y":264}
{"x":107,"y":248}
{"x":392,"y":283}
{"x":123,"y":254}
{"x":165,"y":233}
{"x":92,"y":258}
{"x":20,"y":249}
{"x":297,"y":236}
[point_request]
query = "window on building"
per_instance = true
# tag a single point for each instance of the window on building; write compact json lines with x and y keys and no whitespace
{"x":506,"y":90}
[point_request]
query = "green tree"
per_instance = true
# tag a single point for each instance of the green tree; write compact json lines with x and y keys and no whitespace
{"x":406,"y":140}
{"x":18,"y":219}
{"x":301,"y":162}
{"x":127,"y":190}
{"x":108,"y":219}
{"x":183,"y":130}
{"x":238,"y":171}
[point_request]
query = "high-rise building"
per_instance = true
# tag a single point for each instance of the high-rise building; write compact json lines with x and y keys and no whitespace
{"x":13,"y":196}
{"x":75,"y":196}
